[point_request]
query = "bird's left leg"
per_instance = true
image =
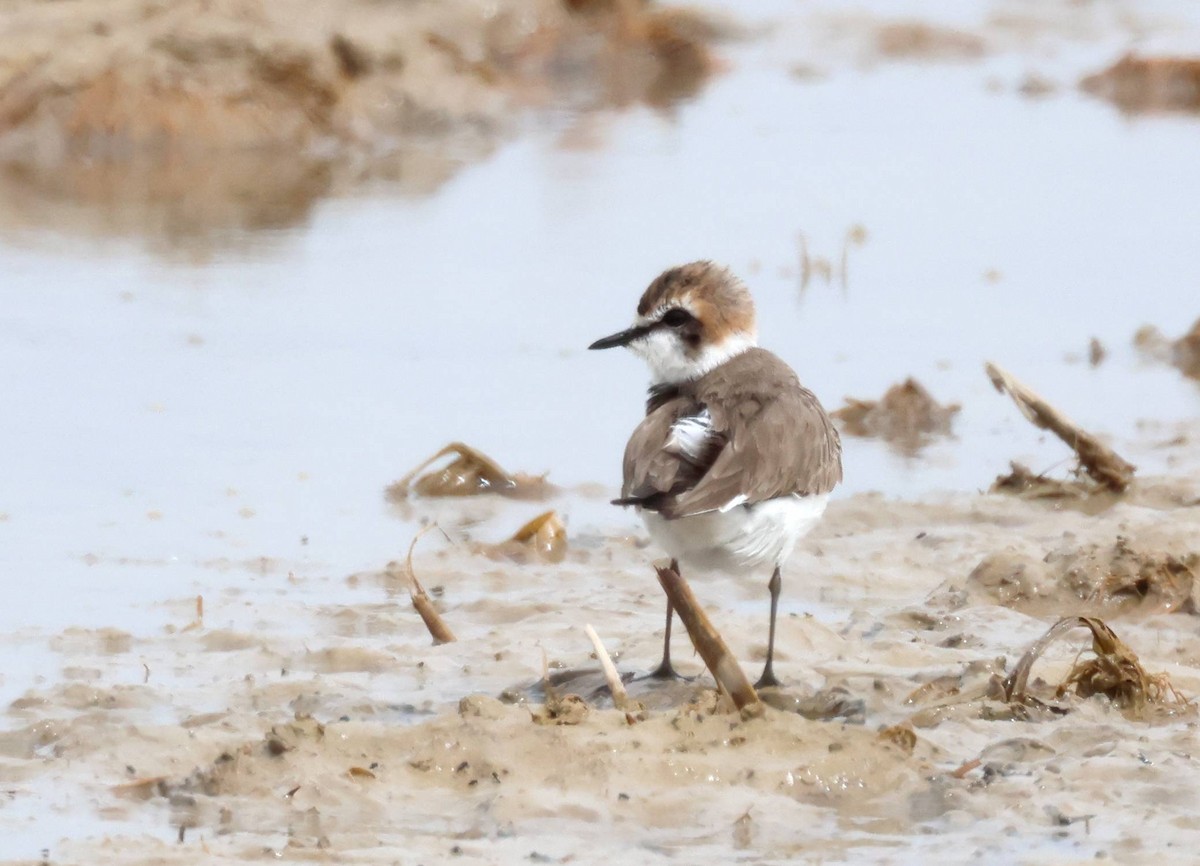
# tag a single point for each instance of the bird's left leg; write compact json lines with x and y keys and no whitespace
{"x":768,"y":674}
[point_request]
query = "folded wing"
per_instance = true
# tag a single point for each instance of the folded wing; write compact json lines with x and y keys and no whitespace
{"x":773,"y":447}
{"x":758,"y":446}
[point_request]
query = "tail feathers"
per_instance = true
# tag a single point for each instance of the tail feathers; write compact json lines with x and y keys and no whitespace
{"x":654,"y":502}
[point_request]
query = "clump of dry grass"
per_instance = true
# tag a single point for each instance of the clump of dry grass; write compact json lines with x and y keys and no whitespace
{"x":1113,"y":670}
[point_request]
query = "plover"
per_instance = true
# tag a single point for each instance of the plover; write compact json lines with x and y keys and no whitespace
{"x":735,"y":459}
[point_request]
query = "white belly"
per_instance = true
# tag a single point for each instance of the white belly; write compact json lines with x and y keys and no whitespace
{"x":743,"y":537}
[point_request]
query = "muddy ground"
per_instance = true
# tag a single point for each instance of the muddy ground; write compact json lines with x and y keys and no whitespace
{"x":340,"y":734}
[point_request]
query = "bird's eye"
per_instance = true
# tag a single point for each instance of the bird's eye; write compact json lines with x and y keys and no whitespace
{"x":675,"y":318}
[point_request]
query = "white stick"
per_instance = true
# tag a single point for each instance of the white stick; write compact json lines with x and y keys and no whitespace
{"x":615,"y":686}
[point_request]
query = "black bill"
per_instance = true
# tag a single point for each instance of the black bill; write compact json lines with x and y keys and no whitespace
{"x":623,"y":338}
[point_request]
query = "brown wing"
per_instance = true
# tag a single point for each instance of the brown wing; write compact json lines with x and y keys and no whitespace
{"x":655,"y":470}
{"x":777,"y":438}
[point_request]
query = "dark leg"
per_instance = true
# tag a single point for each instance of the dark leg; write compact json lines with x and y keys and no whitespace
{"x":664,"y":671}
{"x":768,"y":674}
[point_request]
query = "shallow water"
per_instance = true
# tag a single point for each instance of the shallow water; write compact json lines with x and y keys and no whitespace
{"x":178,"y":429}
{"x":175,"y":413}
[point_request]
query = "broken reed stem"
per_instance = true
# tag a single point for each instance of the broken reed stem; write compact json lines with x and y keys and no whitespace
{"x":401,"y":486}
{"x":1017,"y":683}
{"x":420,"y":599}
{"x":547,"y":686}
{"x":707,"y":641}
{"x":1099,"y":461}
{"x":615,"y":686}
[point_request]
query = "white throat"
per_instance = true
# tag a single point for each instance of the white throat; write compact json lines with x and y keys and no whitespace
{"x":669,"y":364}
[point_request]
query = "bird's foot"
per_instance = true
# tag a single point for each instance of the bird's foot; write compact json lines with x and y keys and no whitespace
{"x":767,"y":680}
{"x":666,"y":671}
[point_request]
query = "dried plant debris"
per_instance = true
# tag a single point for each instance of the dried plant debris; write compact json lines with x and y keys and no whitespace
{"x":143,"y":789}
{"x":907,"y":416}
{"x":559,"y":709}
{"x":832,"y":703}
{"x":593,"y":686}
{"x":1112,"y":671}
{"x":564,"y":710}
{"x":814,"y":266}
{"x":1101,"y":463}
{"x":470,"y":473}
{"x":973,"y":691}
{"x":1122,"y":577}
{"x":1023,"y":481}
{"x":616,"y":687}
{"x":1110,"y":579}
{"x":901,"y":736}
{"x":438,"y":630}
{"x":721,"y":663}
{"x":1184,"y":353}
{"x":542,"y":539}
{"x":1148,"y":84}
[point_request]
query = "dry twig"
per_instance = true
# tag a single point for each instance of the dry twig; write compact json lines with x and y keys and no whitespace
{"x":1099,"y":461}
{"x":615,"y":686}
{"x":708,"y":642}
{"x":420,"y":599}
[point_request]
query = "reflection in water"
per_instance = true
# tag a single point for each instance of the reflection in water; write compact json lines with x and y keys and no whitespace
{"x":171,"y":204}
{"x":219,"y":124}
{"x":191,"y":206}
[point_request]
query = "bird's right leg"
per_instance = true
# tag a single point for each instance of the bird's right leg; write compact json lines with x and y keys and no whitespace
{"x":665,"y":671}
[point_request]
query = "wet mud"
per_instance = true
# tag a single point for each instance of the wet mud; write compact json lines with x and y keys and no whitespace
{"x":894,"y":717}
